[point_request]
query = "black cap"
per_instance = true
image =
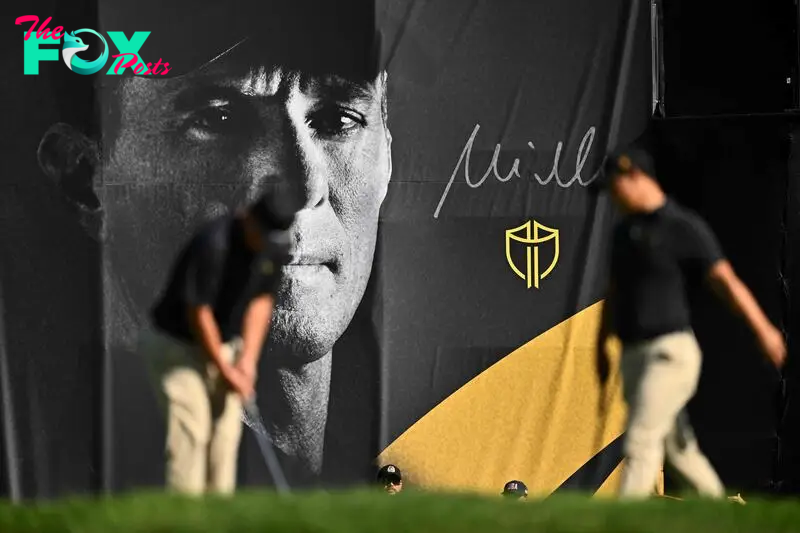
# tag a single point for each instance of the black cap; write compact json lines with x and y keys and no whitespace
{"x":623,"y":161}
{"x":272,"y":213}
{"x":389,"y":474}
{"x":515,"y":488}
{"x":629,"y":159}
{"x":328,"y":36}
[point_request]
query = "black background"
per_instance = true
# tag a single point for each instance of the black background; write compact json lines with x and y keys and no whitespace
{"x":728,"y":149}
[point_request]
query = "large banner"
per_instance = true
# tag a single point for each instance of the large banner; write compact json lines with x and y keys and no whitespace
{"x":445,"y":315}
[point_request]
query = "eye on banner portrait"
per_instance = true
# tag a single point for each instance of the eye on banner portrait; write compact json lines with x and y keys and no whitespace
{"x":444,"y":149}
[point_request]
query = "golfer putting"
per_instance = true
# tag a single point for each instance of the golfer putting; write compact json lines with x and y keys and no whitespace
{"x":208,"y":330}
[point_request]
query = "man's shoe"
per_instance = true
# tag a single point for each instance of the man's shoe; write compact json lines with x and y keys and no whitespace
{"x":737,"y":499}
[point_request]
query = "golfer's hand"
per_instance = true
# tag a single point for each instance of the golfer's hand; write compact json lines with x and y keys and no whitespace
{"x":773,"y":345}
{"x":239,"y":382}
{"x":248,"y":368}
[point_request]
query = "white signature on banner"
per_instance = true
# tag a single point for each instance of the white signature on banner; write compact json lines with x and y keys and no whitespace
{"x":583,"y":154}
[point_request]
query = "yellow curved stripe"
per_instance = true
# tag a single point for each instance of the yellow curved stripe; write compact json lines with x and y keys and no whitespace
{"x":532,"y":416}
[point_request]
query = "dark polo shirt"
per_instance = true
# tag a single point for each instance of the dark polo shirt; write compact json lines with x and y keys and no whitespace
{"x":655,"y":258}
{"x":216,"y":268}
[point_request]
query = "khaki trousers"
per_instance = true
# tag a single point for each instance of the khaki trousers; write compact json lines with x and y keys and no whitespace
{"x":204,"y":425}
{"x":659,"y":378}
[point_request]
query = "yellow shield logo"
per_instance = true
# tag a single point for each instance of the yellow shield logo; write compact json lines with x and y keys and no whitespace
{"x":532,"y":235}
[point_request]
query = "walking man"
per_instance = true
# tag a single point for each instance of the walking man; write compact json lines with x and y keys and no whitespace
{"x":209,"y":327}
{"x":657,"y":248}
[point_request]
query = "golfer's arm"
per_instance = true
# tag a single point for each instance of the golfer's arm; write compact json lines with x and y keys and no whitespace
{"x":257,"y":319}
{"x":732,"y":290}
{"x":206,"y":331}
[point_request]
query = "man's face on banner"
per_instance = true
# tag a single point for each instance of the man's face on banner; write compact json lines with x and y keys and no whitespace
{"x":189,"y":148}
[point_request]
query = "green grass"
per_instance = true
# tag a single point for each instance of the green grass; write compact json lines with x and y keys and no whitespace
{"x":361,"y":512}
